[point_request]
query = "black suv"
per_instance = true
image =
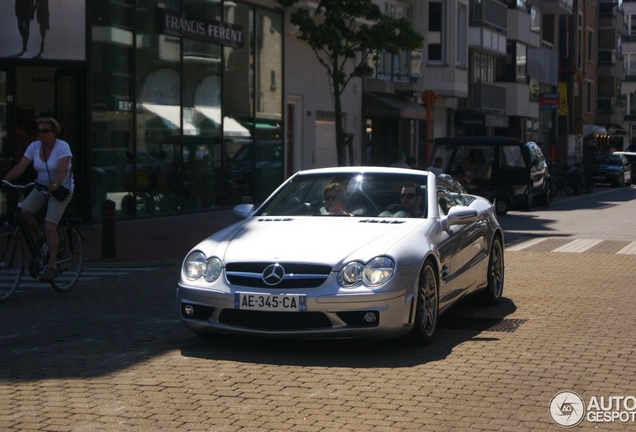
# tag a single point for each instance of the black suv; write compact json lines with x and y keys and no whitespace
{"x":504,"y":170}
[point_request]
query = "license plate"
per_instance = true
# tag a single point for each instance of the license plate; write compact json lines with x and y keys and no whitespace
{"x":270,"y":302}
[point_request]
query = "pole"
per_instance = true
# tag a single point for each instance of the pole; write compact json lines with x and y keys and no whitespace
{"x":108,"y":229}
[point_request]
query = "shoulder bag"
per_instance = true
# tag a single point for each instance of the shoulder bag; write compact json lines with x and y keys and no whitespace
{"x":60,"y":192}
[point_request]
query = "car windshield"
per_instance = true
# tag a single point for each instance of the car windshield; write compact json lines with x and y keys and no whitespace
{"x":608,"y":160}
{"x":359,"y":194}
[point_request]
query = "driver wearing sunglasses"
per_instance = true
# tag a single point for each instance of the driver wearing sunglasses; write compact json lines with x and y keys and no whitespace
{"x":410,"y":200}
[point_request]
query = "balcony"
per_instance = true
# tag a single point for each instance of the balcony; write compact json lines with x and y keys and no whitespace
{"x":488,"y":26}
{"x":487,"y":97}
{"x":490,"y":14}
{"x":611,"y":16}
{"x":607,"y":56}
{"x":610,"y":64}
{"x":557,"y":7}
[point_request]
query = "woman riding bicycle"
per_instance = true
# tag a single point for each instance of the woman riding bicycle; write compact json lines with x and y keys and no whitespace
{"x":51,"y":158}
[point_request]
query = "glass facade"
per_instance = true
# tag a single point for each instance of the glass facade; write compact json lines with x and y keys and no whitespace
{"x":187,"y":105}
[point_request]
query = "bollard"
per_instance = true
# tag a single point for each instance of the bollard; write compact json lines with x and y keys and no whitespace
{"x":108,"y":229}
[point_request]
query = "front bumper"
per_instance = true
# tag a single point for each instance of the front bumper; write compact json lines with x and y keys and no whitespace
{"x":383,"y":315}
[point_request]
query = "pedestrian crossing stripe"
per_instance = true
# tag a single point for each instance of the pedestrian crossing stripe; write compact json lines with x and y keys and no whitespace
{"x":578,"y":246}
{"x":87,"y":274}
{"x":547,"y":244}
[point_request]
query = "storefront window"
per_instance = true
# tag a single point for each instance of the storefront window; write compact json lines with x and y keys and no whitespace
{"x":253,"y":100}
{"x":203,"y":169}
{"x":158,"y":117}
{"x":113,"y":103}
{"x":183,"y":117}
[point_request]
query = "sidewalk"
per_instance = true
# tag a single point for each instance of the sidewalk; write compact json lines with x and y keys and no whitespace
{"x":154,"y":240}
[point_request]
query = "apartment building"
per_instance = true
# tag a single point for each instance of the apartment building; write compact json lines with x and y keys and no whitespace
{"x":628,"y":88}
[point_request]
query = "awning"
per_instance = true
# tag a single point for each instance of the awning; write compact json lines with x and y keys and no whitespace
{"x":614,"y":129}
{"x":392,"y":106}
{"x":171,"y":116}
{"x":589,"y":129}
{"x":231,"y":128}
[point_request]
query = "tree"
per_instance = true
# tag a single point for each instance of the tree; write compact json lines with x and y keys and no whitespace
{"x":345,"y":35}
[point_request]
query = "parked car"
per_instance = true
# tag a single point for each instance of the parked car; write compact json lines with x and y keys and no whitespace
{"x":504,"y":170}
{"x":631,"y":158}
{"x":290,"y":269}
{"x":611,"y":168}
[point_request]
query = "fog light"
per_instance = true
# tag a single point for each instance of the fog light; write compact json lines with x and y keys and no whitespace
{"x":370,"y":317}
{"x":189,"y":310}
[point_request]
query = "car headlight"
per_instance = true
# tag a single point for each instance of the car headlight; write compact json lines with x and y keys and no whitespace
{"x":196,"y":265}
{"x":350,"y":274}
{"x":375,"y":273}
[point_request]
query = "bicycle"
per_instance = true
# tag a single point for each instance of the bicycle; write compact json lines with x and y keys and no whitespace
{"x":558,"y":173}
{"x":14,"y":236}
{"x":579,"y":179}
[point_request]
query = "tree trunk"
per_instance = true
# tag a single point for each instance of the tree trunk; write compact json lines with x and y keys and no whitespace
{"x":341,"y":142}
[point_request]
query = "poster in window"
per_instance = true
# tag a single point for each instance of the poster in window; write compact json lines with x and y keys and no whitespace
{"x":43,"y":29}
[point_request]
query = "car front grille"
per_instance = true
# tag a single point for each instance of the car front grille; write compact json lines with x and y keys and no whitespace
{"x":274,"y":320}
{"x":300,"y":276}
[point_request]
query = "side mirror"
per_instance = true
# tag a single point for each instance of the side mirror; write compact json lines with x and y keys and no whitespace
{"x":243,"y":211}
{"x":459,"y":215}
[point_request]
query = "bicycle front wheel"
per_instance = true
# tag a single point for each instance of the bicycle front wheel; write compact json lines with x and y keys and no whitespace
{"x":70,"y":259}
{"x":11,"y":264}
{"x":572,"y":186}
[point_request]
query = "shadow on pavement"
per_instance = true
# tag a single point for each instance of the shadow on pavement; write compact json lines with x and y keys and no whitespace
{"x":353,"y":353}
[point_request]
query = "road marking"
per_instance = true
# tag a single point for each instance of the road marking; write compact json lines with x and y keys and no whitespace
{"x":630,"y":249}
{"x":526,"y":244}
{"x":88,"y":274}
{"x":549,"y":244}
{"x":578,"y":246}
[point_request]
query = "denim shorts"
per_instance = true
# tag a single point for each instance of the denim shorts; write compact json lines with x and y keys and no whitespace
{"x":37,"y":200}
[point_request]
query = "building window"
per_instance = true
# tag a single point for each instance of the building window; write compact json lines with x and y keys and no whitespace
{"x":589,"y":101}
{"x":483,"y":67}
{"x":435,"y":32}
{"x":462,"y":25}
{"x":399,"y":67}
{"x":521,"y":63}
{"x":630,"y":61}
{"x":535,"y":19}
{"x":579,"y":42}
{"x":514,"y":66}
{"x":590,"y":45}
{"x":631,"y":27}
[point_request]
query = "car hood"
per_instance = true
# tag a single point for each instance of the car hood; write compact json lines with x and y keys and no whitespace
{"x":329,"y":240}
{"x":607,"y":167}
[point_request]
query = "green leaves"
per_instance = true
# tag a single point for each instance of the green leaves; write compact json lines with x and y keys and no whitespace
{"x":344,"y":35}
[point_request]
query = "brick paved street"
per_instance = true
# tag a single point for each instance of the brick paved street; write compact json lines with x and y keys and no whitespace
{"x":111,"y":355}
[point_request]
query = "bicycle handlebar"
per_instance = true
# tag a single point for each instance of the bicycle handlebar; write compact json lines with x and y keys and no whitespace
{"x":37,"y":185}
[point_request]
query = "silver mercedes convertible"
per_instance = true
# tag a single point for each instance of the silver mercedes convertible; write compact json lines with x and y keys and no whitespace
{"x":355,"y":252}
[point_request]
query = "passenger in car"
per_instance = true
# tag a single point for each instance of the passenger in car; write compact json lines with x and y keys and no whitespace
{"x":335,"y":197}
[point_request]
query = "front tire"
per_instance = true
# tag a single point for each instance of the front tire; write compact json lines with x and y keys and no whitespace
{"x":11,"y":265}
{"x":502,"y":205}
{"x":572,"y":186}
{"x":494,"y":290}
{"x":70,"y":259}
{"x":427,"y":313}
{"x":545,"y":198}
{"x":620,"y":182}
